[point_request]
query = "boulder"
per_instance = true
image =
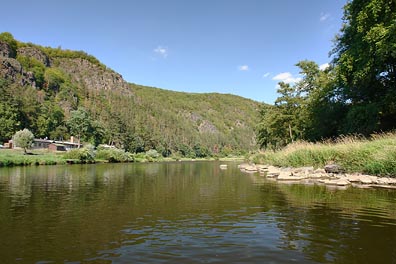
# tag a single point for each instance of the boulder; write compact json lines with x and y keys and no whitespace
{"x":333,"y":168}
{"x":364,"y":179}
{"x":287,"y":176}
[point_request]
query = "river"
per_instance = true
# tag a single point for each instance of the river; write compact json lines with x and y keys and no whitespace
{"x":186,"y":212}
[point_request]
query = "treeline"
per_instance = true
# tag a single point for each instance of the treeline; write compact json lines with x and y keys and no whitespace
{"x":60,"y":105}
{"x":356,"y":94}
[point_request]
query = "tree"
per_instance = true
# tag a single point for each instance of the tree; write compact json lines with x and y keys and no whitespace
{"x":79,"y":123}
{"x":24,"y":139}
{"x":365,"y":59}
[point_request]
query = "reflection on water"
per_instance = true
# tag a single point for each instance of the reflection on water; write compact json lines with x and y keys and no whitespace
{"x":186,"y":212}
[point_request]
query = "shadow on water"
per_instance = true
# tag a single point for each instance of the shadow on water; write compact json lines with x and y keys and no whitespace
{"x":186,"y":212}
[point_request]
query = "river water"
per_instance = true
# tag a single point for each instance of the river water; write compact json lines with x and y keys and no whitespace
{"x":186,"y":212}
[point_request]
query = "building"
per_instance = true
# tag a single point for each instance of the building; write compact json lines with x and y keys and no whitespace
{"x":56,"y":145}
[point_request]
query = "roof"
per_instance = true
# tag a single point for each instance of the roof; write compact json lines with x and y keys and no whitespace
{"x":48,"y":141}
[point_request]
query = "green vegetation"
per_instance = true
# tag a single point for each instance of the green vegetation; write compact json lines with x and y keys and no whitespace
{"x":72,"y":96}
{"x":23,"y":139}
{"x":376,"y":155}
{"x":355,"y":95}
{"x":16,"y":158}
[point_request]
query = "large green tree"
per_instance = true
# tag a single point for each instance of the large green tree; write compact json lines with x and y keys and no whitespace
{"x":365,"y":58}
{"x":79,"y":123}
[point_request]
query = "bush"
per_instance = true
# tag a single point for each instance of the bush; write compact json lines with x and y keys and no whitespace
{"x":152,"y":153}
{"x":83,"y":154}
{"x":114,"y":155}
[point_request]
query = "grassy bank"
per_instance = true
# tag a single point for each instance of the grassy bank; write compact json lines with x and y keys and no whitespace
{"x":13,"y":157}
{"x":376,"y":155}
{"x":10,"y":157}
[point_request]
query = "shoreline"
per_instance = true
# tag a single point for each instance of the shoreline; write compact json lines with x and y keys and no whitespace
{"x":10,"y":158}
{"x":322,"y":176}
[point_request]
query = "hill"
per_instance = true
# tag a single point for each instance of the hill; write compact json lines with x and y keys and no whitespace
{"x":46,"y":90}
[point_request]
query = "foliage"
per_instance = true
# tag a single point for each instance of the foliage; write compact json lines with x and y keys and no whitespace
{"x":85,"y":154}
{"x":113,"y":155}
{"x":23,"y":139}
{"x":169,"y":122}
{"x":14,"y":158}
{"x":79,"y":122}
{"x":71,"y":54}
{"x":366,"y":61}
{"x":354,"y":95}
{"x":9,"y":38}
{"x":376,"y":156}
{"x":152,"y":153}
{"x":35,"y":66}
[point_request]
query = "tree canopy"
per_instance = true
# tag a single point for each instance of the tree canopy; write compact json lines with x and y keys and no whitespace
{"x":23,"y":139}
{"x":356,"y":94}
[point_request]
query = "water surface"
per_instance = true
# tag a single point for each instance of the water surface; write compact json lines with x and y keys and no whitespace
{"x":186,"y":212}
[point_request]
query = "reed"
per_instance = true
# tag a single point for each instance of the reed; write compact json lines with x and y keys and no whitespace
{"x":375,"y":155}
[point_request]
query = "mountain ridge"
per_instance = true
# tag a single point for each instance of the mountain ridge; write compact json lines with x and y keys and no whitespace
{"x":131,"y":116}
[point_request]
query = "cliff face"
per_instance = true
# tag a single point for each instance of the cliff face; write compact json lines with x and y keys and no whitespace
{"x":93,"y":76}
{"x":80,"y":70}
{"x":11,"y":69}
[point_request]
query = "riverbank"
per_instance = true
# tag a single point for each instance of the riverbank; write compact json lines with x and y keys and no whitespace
{"x":330,"y":175}
{"x":15,"y":157}
{"x":373,"y":156}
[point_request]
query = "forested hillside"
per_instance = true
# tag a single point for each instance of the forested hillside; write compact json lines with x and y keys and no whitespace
{"x":58,"y":93}
{"x":356,"y":94}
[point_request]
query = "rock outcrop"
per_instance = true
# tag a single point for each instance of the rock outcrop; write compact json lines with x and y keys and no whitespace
{"x":6,"y":51}
{"x":11,"y":69}
{"x":35,"y":53}
{"x":93,"y":76}
{"x":307,"y":175}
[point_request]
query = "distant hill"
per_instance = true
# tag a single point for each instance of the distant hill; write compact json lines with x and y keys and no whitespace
{"x":42,"y":87}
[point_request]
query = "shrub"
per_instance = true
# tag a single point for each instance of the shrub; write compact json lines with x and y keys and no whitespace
{"x":152,"y":153}
{"x":83,"y":154}
{"x":114,"y":155}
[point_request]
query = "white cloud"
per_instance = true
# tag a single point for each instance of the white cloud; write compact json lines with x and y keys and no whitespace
{"x":163,"y":52}
{"x":324,"y":66}
{"x":243,"y":68}
{"x":265,"y":75}
{"x":324,"y":17}
{"x":286,"y":77}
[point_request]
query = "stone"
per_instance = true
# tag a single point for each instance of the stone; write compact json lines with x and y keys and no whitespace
{"x":365,"y":180}
{"x":303,"y":170}
{"x":243,"y":166}
{"x":340,"y":182}
{"x":319,"y":171}
{"x":223,"y":166}
{"x":343,"y":182}
{"x":251,"y":168}
{"x":333,"y":168}
{"x":353,"y":177}
{"x":5,"y":50}
{"x":383,"y":181}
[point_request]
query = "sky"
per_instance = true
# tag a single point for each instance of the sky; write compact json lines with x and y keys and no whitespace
{"x":241,"y":47}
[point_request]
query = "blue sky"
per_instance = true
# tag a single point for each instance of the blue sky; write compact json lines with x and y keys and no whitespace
{"x":243,"y":47}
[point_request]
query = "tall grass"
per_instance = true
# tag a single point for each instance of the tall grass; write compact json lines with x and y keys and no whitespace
{"x":375,"y":155}
{"x":17,"y":158}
